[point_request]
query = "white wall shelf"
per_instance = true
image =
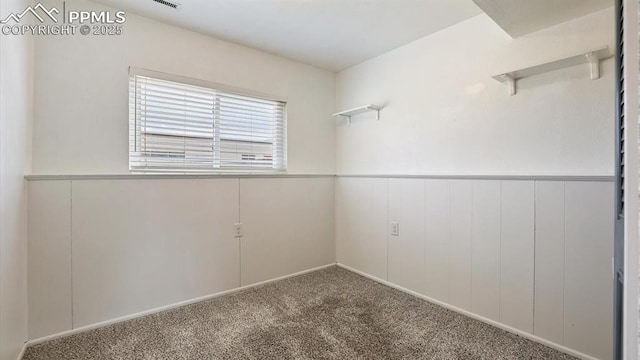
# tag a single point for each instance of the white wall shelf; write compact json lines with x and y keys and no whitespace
{"x":359,"y":110}
{"x":592,"y":58}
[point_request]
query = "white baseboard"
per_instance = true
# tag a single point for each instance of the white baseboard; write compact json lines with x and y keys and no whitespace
{"x":21,"y":353}
{"x":467,"y":313}
{"x":162,"y":308}
{"x":227,"y":292}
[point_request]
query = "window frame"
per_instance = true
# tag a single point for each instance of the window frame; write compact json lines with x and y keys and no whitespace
{"x":221,"y":169}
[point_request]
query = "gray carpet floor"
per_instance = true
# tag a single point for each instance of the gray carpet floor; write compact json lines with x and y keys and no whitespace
{"x":327,"y":314}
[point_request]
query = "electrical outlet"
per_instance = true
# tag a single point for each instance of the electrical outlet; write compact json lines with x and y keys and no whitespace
{"x":395,"y":228}
{"x":238,"y":230}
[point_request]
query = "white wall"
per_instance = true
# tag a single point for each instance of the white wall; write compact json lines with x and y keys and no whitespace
{"x":444,"y":114}
{"x":89,"y":251}
{"x":110,"y":247}
{"x":81,"y":119}
{"x":141,"y":244}
{"x":16,"y":74}
{"x":531,"y":255}
{"x":107,"y":248}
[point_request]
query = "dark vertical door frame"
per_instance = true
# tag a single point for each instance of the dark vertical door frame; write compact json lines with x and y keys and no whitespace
{"x":618,"y":262}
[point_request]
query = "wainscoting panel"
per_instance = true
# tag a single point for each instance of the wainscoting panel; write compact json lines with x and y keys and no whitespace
{"x":142,"y":244}
{"x":108,"y":247}
{"x":588,"y":315}
{"x":406,"y":251}
{"x":288,"y":226}
{"x":485,"y":261}
{"x":533,"y":255}
{"x":549,"y":261}
{"x":461,"y":230}
{"x":437,"y":239}
{"x":49,"y":257}
{"x":517,"y":254}
{"x":361,"y":224}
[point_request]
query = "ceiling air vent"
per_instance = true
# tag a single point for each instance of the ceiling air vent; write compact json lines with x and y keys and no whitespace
{"x":170,"y":4}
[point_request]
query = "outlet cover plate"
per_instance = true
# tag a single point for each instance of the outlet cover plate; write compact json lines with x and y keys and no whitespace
{"x":395,"y":228}
{"x":238,"y":230}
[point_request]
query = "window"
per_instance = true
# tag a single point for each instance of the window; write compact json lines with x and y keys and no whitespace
{"x":186,"y":125}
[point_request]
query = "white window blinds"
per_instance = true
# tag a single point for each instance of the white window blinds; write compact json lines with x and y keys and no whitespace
{"x":178,"y":126}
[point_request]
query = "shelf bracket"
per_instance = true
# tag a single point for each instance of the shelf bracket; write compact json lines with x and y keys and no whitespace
{"x":359,"y":110}
{"x":594,"y":64}
{"x":511,"y":83}
{"x":348,"y":117}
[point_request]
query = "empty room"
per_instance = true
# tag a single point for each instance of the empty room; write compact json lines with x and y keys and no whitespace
{"x":319,"y":179}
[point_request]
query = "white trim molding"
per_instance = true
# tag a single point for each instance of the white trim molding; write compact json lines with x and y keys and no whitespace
{"x":21,"y":354}
{"x":542,"y":177}
{"x":138,"y":176}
